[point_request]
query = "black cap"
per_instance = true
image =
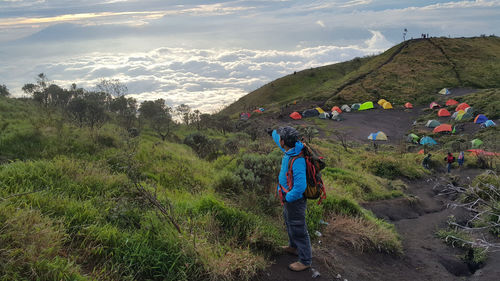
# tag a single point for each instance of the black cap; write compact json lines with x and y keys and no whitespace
{"x":289,"y":135}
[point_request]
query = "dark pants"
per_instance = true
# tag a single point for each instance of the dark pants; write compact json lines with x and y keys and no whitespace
{"x":294,"y":214}
{"x":448,"y":167}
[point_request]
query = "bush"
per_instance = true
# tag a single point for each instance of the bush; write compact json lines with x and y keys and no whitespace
{"x":203,"y":146}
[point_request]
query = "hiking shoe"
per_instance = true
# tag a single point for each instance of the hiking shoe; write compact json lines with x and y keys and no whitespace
{"x":290,"y":250}
{"x":298,"y":266}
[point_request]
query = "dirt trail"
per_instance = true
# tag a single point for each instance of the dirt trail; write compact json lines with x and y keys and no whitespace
{"x":426,"y":257}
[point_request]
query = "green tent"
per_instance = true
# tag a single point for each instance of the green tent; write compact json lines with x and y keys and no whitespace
{"x":366,"y":105}
{"x":412,"y":138}
{"x":476,"y":143}
{"x":463,"y":116}
{"x":355,"y":106}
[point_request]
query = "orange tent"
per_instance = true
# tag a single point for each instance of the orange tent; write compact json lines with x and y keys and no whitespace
{"x":462,"y":106}
{"x":421,"y":151}
{"x":443,"y":112}
{"x":408,"y":105}
{"x":257,"y":111}
{"x":336,"y":108}
{"x":295,"y":115}
{"x":442,"y":128}
{"x":451,"y":102}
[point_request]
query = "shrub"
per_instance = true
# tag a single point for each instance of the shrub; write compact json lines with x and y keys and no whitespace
{"x":203,"y":146}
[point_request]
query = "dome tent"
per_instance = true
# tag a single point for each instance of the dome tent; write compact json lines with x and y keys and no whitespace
{"x":442,"y":128}
{"x":319,"y":109}
{"x":443,"y":112}
{"x":377,"y":136}
{"x":451,"y":102}
{"x":310,"y":113}
{"x":434,"y":105}
{"x":324,"y":115}
{"x":346,"y":108}
{"x":408,"y":105}
{"x":427,"y":141}
{"x":489,"y":123}
{"x":445,"y":91}
{"x":462,"y":106}
{"x":476,"y":143}
{"x":366,"y":105}
{"x":295,"y":115}
{"x":381,"y":102}
{"x":480,"y":119}
{"x":387,"y":105}
{"x":412,"y":138}
{"x":355,"y":106}
{"x":432,"y":124}
{"x":463,"y":116}
{"x":336,"y":108}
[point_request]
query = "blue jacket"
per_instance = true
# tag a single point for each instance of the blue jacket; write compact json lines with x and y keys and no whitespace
{"x":299,"y":170}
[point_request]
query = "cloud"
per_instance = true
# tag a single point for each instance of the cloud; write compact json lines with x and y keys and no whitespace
{"x":320,"y":23}
{"x":205,"y":79}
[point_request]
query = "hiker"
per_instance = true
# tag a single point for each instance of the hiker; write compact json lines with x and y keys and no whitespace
{"x":449,"y":160}
{"x":461,"y":159}
{"x":426,"y":161}
{"x":292,"y":197}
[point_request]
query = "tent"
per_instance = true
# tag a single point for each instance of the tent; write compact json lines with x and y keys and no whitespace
{"x":470,"y":110}
{"x":408,"y":105}
{"x":346,"y":108}
{"x":443,"y":112}
{"x":337,"y":117}
{"x":412,"y":138}
{"x":444,"y":91}
{"x":387,"y":105}
{"x":463,"y":116}
{"x":454,"y":115}
{"x":355,"y":106}
{"x":489,"y":123}
{"x":442,"y":128}
{"x":324,"y":115}
{"x":476,"y":143}
{"x":310,"y":113}
{"x":451,"y":102}
{"x":295,"y":115}
{"x":480,"y":119}
{"x":462,"y":106}
{"x":434,"y":105}
{"x":319,"y":110}
{"x":432,"y":124}
{"x":482,"y":152}
{"x":336,"y":108}
{"x":377,"y":136}
{"x":366,"y":105}
{"x":261,"y":109}
{"x":427,"y":141}
{"x":381,"y":102}
{"x":257,"y":111}
{"x":421,"y":151}
{"x":244,"y":116}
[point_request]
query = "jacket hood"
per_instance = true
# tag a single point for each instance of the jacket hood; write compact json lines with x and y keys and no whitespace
{"x":295,"y":150}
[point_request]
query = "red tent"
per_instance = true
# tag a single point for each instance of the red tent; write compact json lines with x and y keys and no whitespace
{"x":336,"y":108}
{"x":408,"y":105}
{"x":451,"y":102}
{"x":462,"y":106}
{"x":434,"y":104}
{"x":482,"y":152}
{"x":295,"y":115}
{"x":257,"y":111}
{"x":442,"y":128}
{"x":421,"y":151}
{"x":443,"y":112}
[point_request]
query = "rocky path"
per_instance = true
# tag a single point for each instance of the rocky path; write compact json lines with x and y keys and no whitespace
{"x":417,"y":218}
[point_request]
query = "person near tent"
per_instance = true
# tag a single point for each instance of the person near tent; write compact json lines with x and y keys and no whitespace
{"x":461,"y":159}
{"x":293,"y":200}
{"x":426,"y":161}
{"x":449,"y":160}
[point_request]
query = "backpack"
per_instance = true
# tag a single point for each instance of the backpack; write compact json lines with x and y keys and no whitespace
{"x":314,"y":164}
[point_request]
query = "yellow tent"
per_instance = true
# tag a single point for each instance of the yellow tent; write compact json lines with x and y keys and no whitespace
{"x":387,"y":105}
{"x":320,"y":110}
{"x":381,"y":102}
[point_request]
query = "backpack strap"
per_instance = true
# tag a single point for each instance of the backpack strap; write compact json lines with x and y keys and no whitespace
{"x":289,"y":177}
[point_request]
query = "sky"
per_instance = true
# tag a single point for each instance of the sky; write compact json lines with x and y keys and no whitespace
{"x":207,"y":54}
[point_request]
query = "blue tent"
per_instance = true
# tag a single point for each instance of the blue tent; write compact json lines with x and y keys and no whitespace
{"x":489,"y":123}
{"x":427,"y":141}
{"x":480,"y":119}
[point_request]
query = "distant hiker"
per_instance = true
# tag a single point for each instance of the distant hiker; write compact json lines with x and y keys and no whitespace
{"x":461,"y":159}
{"x":449,"y":160}
{"x":294,"y":202}
{"x":426,"y":161}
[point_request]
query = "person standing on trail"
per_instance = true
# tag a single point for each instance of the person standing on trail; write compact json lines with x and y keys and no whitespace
{"x":426,"y":161}
{"x":292,"y":197}
{"x":449,"y":160}
{"x":461,"y":159}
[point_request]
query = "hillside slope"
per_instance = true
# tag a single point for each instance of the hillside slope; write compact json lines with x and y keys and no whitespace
{"x":413,"y":71}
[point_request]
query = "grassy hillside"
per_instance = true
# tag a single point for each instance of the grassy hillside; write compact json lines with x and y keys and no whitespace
{"x":81,"y":204}
{"x":410,"y":71}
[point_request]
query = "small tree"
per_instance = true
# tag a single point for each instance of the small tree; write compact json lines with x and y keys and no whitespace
{"x":308,"y":133}
{"x":4,"y":92}
{"x":183,"y":112}
{"x":158,"y":115}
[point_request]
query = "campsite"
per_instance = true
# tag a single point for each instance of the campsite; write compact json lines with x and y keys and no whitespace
{"x":101,"y":187}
